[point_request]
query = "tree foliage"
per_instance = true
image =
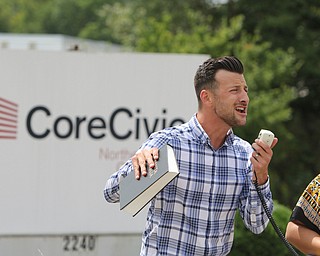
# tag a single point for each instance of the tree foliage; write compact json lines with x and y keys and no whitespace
{"x":292,"y":24}
{"x":268,"y":242}
{"x":21,"y":16}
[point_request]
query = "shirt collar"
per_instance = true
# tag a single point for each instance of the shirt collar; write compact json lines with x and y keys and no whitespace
{"x":200,"y":134}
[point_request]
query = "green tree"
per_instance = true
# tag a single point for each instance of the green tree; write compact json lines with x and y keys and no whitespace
{"x":70,"y":16}
{"x":292,"y":24}
{"x":21,"y":16}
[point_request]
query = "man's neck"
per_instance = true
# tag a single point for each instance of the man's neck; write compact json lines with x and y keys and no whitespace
{"x":215,"y":128}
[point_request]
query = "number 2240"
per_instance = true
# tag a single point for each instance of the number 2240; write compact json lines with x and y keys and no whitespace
{"x":79,"y":243}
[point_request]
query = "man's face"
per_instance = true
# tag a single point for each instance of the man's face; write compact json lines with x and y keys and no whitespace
{"x":231,"y":98}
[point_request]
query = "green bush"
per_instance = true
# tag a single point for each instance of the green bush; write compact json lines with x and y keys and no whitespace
{"x":265,"y":244}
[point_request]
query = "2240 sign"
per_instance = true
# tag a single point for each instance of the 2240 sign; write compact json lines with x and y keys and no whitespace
{"x":78,"y":243}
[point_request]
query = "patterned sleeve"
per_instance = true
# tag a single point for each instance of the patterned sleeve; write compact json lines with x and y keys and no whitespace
{"x":307,"y":209}
{"x":111,"y":190}
{"x":253,"y":214}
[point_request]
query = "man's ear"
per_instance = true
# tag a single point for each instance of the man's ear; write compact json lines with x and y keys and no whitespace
{"x":206,"y":97}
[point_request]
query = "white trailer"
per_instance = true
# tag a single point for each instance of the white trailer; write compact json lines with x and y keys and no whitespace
{"x":68,"y":120}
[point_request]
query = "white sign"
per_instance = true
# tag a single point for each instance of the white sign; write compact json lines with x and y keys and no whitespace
{"x":69,"y":120}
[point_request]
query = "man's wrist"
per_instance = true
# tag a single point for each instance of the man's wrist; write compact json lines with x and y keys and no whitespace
{"x":260,"y":180}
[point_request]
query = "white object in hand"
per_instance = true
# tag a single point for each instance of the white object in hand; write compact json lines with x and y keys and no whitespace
{"x":266,"y":136}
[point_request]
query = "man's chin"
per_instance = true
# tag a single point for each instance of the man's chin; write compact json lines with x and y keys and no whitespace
{"x":241,"y":123}
{"x":236,"y":122}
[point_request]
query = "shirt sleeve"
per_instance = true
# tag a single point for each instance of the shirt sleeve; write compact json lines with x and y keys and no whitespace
{"x":297,"y":214}
{"x":252,"y":211}
{"x":111,"y":190}
{"x":307,"y":208}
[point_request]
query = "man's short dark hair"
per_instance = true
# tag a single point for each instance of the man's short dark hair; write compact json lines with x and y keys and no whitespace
{"x":205,"y":75}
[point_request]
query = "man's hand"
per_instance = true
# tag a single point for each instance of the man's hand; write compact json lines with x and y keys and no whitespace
{"x":260,"y":159}
{"x":142,"y":158}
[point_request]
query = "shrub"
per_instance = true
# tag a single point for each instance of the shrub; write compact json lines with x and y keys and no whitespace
{"x":265,"y":244}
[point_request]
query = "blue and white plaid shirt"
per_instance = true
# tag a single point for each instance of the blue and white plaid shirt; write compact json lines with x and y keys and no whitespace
{"x":195,"y":213}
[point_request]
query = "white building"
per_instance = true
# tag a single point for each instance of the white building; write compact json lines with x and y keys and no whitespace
{"x":54,"y":42}
{"x":68,"y":120}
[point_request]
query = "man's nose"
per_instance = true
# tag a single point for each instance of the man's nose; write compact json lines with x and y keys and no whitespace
{"x":244,"y":97}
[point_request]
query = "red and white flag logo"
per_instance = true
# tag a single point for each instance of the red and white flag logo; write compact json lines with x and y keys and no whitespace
{"x":8,"y":119}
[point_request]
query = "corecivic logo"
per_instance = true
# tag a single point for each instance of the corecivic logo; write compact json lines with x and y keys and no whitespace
{"x":122,"y":123}
{"x":63,"y":126}
{"x":8,"y":119}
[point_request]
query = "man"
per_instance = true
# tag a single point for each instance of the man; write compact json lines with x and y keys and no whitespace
{"x":194,"y":214}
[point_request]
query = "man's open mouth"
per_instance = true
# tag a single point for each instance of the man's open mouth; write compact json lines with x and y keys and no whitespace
{"x":241,"y":109}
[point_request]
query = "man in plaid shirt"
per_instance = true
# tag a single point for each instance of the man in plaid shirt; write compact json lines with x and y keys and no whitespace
{"x":194,"y":214}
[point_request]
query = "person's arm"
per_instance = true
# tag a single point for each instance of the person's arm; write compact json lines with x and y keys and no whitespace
{"x":251,"y":209}
{"x":303,"y":238}
{"x":111,"y":190}
{"x":147,"y":154}
{"x":137,"y":164}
